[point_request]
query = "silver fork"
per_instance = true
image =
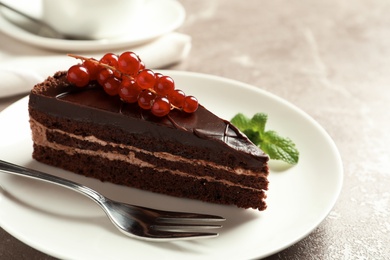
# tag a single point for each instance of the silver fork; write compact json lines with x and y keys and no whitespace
{"x":134,"y":221}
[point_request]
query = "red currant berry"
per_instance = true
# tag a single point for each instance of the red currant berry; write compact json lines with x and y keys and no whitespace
{"x":129,"y":90}
{"x":145,"y":99}
{"x":129,"y":63}
{"x":110,"y":59}
{"x":161,"y":106}
{"x":158,"y":75}
{"x":103,"y":75}
{"x":164,"y":85}
{"x":111,"y":86}
{"x":78,"y":75}
{"x":146,"y":79}
{"x":93,"y":68}
{"x":177,"y":97}
{"x":190,"y":104}
{"x":141,"y":65}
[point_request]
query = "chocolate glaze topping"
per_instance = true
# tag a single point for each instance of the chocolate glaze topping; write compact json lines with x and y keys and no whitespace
{"x":92,"y":104}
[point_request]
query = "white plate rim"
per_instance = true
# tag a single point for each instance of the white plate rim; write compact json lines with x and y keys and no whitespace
{"x":175,"y":9}
{"x":251,"y":252}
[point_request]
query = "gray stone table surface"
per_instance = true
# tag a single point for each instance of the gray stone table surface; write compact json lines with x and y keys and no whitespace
{"x":331,"y":59}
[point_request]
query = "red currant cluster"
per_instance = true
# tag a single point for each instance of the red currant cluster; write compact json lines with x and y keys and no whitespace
{"x":125,"y":75}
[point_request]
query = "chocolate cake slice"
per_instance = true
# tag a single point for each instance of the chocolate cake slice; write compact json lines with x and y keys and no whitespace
{"x":197,"y":155}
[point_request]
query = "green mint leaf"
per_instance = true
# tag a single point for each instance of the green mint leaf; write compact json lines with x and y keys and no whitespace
{"x":258,"y":122}
{"x":254,"y":136}
{"x":241,"y":122}
{"x":277,"y":147}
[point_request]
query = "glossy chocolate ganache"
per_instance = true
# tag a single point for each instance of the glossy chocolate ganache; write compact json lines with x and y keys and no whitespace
{"x":91,"y":104}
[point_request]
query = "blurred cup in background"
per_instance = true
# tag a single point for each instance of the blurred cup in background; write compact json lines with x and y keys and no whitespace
{"x":92,"y":19}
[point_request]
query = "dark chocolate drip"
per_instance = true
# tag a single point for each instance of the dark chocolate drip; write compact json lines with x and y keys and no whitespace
{"x":176,"y":125}
{"x":121,"y":108}
{"x":225,"y":137}
{"x":61,"y":95}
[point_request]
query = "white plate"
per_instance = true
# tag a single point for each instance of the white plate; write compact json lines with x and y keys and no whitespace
{"x":66,"y":225}
{"x":159,"y":17}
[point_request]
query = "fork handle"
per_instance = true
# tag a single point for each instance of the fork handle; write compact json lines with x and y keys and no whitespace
{"x":14,"y":169}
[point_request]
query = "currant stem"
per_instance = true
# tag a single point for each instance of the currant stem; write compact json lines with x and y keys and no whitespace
{"x":99,"y":63}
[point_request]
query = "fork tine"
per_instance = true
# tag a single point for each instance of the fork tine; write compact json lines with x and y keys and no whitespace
{"x":174,"y":235}
{"x":176,"y":216}
{"x":156,"y":235}
{"x":188,"y":217}
{"x":182,"y":228}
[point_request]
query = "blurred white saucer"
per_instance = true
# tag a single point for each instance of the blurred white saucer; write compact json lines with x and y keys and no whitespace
{"x":158,"y":18}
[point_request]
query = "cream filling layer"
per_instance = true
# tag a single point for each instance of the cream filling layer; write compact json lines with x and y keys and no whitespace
{"x":39,"y":138}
